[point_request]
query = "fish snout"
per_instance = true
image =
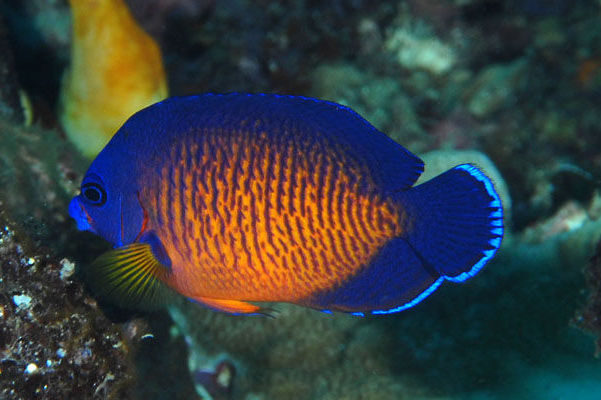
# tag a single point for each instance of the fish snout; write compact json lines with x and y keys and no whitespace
{"x":77,"y":212}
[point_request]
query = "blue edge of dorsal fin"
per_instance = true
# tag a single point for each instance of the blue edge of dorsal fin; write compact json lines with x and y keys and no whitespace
{"x":391,"y":164}
{"x":456,"y":228}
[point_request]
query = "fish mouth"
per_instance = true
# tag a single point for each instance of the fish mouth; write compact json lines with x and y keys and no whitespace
{"x":79,"y":214}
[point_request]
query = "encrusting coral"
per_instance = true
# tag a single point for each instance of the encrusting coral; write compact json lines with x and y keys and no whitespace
{"x":116,"y":69}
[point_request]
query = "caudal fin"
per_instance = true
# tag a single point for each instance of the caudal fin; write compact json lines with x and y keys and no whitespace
{"x":456,"y":222}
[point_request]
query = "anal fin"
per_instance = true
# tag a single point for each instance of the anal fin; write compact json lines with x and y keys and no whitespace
{"x":229,"y":306}
{"x":395,"y":280}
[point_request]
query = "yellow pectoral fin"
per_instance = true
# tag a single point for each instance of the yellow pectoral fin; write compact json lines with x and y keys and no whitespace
{"x":131,"y":277}
{"x":231,"y":306}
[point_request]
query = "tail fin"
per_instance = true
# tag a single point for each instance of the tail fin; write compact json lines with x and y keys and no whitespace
{"x":456,"y":222}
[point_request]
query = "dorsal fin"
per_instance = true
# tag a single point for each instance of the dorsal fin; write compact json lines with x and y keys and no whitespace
{"x":391,"y":165}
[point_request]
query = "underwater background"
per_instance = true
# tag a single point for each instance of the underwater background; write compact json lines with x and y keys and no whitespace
{"x":513,"y":86}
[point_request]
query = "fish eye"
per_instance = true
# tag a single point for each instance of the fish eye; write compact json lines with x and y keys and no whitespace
{"x":94,"y":193}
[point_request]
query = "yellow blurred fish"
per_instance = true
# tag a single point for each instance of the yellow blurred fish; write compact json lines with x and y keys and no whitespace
{"x":116,"y":69}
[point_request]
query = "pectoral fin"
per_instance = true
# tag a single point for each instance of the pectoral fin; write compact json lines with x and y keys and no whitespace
{"x":131,"y":277}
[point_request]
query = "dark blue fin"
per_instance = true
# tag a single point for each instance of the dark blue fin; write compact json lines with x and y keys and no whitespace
{"x":391,"y":165}
{"x":394,"y":281}
{"x":455,"y":222}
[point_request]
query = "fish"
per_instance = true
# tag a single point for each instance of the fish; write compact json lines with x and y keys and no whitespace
{"x":115,"y":69}
{"x":236,"y":199}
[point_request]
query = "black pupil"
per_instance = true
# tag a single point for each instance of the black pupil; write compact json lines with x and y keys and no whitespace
{"x":93,"y":193}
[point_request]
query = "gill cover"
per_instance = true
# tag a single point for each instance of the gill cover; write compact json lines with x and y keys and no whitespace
{"x":109,"y":204}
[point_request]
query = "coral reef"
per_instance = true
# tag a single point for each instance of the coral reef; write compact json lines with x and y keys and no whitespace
{"x":116,"y":69}
{"x":301,"y":354}
{"x":54,"y":340}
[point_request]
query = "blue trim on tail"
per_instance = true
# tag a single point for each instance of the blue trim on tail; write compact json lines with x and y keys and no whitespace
{"x":413,"y":302}
{"x":496,"y":223}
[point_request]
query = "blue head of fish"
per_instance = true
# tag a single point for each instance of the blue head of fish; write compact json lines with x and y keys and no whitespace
{"x":108,"y":204}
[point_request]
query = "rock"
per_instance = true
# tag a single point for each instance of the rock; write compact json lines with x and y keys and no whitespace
{"x":494,"y":88}
{"x":11,"y":94}
{"x":421,"y":51}
{"x":40,"y":173}
{"x":55,"y":343}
